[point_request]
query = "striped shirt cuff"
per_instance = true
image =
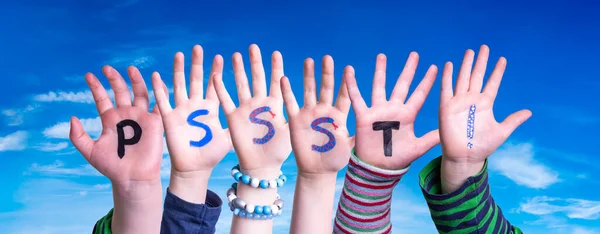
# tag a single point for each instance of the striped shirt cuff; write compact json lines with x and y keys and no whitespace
{"x":470,"y":209}
{"x":103,"y":225}
{"x":364,"y":205}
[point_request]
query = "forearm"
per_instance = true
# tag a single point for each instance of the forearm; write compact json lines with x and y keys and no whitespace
{"x":313,"y":203}
{"x":255,"y":197}
{"x":190,"y":186}
{"x":469,"y":208}
{"x":137,"y":207}
{"x":365,"y":202}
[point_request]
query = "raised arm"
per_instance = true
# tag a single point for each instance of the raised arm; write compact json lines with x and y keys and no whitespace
{"x":321,"y":144}
{"x":456,"y":185}
{"x":261,"y":139}
{"x":128,"y":152}
{"x":196,"y":143}
{"x":385,"y":147}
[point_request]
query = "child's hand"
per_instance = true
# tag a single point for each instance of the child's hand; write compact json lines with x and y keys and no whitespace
{"x":258,"y":128}
{"x":130,"y":148}
{"x":195,"y":138}
{"x":468,"y":130}
{"x":320,"y":139}
{"x":385,"y":132}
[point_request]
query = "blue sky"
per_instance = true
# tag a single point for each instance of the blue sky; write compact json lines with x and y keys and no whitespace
{"x":545,"y":177}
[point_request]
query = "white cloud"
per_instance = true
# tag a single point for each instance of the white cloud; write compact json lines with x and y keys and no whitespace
{"x":49,"y":147}
{"x":14,"y":142}
{"x":517,"y":163}
{"x":92,"y":126}
{"x":15,"y":117}
{"x":61,"y":96}
{"x":58,"y":169}
{"x":571,"y":207}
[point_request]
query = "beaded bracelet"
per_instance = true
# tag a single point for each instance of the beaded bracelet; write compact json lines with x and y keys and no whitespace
{"x":264,"y":184}
{"x":244,"y":210}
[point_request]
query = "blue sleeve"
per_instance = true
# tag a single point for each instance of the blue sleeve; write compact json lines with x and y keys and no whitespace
{"x":180,"y":216}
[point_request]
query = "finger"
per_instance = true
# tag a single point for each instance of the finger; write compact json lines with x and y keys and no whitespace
{"x":493,"y":83}
{"x":400,"y":91}
{"x":217,"y":67}
{"x":276,"y":74}
{"x":166,"y":91}
{"x":310,"y":93}
{"x":140,"y":92}
{"x":122,"y":95}
{"x":179,"y":80}
{"x":222,"y":94}
{"x":379,"y":95}
{"x":291,"y":105}
{"x":479,"y":70}
{"x":197,"y":73}
{"x":161,"y":94}
{"x":259,"y":84}
{"x":103,"y":102}
{"x":513,"y":121}
{"x":343,"y":100}
{"x":417,"y":98}
{"x":358,"y":103}
{"x":446,"y":91}
{"x":241,"y":79}
{"x":81,"y":140}
{"x":327,"y":81}
{"x":462,"y":81}
{"x":428,"y":141}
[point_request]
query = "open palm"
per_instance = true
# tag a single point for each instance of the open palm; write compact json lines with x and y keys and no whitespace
{"x":315,"y":152}
{"x":259,"y":131}
{"x":405,"y":146}
{"x":468,"y":99}
{"x":192,"y":148}
{"x":141,"y":160}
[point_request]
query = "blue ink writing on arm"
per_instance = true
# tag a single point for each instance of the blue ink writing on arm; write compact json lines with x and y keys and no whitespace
{"x":471,"y":125}
{"x":208,"y":137}
{"x":386,"y":127}
{"x":121,"y":141}
{"x":271,"y":128}
{"x":315,"y":126}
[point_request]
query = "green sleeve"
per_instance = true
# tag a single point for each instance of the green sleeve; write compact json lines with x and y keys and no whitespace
{"x":470,"y":209}
{"x":103,"y":225}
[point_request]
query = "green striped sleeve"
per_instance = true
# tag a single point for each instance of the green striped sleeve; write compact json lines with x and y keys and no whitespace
{"x":103,"y":225}
{"x":470,"y":209}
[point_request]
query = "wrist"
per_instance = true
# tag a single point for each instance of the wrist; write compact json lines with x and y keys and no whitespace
{"x":455,"y":173}
{"x":316,"y":180}
{"x":190,"y":186}
{"x":135,"y":190}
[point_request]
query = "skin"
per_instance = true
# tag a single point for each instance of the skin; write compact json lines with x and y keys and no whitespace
{"x":261,"y":161}
{"x":458,"y":161}
{"x":137,"y":190}
{"x":406,"y":146}
{"x":191,"y":166}
{"x":317,"y":171}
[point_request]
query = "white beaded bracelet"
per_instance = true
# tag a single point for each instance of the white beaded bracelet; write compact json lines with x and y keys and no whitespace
{"x":256,"y":183}
{"x":244,"y":210}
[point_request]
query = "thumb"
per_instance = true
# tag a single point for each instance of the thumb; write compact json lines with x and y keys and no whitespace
{"x":428,"y":141}
{"x":81,"y":140}
{"x":514,"y":120}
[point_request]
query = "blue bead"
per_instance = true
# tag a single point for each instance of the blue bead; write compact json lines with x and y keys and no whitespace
{"x":263,"y":184}
{"x":236,"y":211}
{"x":267,"y":210}
{"x":263,"y":217}
{"x":246,"y":179}
{"x":279,"y":182}
{"x":242,"y":214}
{"x":237,"y":176}
{"x":258,"y":210}
{"x":283,"y":178}
{"x":270,"y":216}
